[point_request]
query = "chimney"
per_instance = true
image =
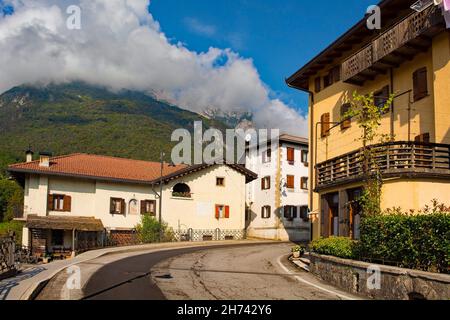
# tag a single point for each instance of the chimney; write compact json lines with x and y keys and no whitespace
{"x":44,"y":159}
{"x":29,"y":155}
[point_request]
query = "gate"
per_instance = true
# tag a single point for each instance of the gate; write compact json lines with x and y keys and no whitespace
{"x":8,"y":265}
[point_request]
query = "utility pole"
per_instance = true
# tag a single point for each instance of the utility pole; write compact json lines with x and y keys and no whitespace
{"x":160,"y":197}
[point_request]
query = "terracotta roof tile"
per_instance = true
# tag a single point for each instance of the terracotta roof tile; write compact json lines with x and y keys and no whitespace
{"x":94,"y":166}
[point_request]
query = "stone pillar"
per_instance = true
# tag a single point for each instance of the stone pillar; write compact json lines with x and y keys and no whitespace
{"x":344,"y":217}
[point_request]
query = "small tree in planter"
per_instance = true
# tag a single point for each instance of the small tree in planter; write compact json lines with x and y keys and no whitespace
{"x":298,"y":251}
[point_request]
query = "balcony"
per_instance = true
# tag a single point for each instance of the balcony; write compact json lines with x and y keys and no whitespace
{"x":399,"y":43}
{"x":394,"y":160}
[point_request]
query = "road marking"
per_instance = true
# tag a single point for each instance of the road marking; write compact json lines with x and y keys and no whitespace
{"x":298,"y":278}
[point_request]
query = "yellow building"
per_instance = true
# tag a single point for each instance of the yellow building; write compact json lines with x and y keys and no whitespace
{"x":409,"y":58}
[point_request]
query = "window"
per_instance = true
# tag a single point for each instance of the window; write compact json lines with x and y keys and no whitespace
{"x":265,"y":183}
{"x":345,"y":122}
{"x":290,"y":182}
{"x":380,"y":99}
{"x":317,"y":84}
{"x":181,"y":190}
{"x":291,"y":155}
{"x":117,"y":206}
{"x":148,"y":207}
{"x":267,"y":156}
{"x":325,"y":127}
{"x":304,"y":183}
{"x":420,"y":84}
{"x":305,"y":157}
{"x":58,"y":237}
{"x":220,"y":182}
{"x":222,"y":212}
{"x":290,"y":212}
{"x":327,"y":80}
{"x":424,"y":138}
{"x":332,"y":77}
{"x":265,"y":212}
{"x":59,"y":202}
{"x":304,"y":210}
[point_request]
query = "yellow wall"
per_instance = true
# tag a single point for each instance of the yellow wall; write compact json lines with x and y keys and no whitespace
{"x":430,"y":114}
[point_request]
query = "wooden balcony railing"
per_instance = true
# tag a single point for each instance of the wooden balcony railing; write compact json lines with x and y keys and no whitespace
{"x":391,"y":40}
{"x":395,"y":159}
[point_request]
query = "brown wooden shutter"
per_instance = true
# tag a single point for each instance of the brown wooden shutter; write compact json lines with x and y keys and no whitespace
{"x":227,"y":212}
{"x":325,"y":120}
{"x":295,"y":212}
{"x":67,"y":204}
{"x":286,"y":211}
{"x":262,"y":184}
{"x":425,"y":138}
{"x":50,"y":203}
{"x":317,"y":84}
{"x":336,"y":72}
{"x":268,"y":183}
{"x":143,"y":207}
{"x":217,"y":211}
{"x":290,"y":154}
{"x":290,"y":182}
{"x":111,"y":205}
{"x":262,"y":212}
{"x":420,"y":84}
{"x":345,"y":121}
{"x":122,"y":207}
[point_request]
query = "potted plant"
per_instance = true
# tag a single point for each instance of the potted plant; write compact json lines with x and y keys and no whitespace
{"x":298,"y":251}
{"x":46,"y":257}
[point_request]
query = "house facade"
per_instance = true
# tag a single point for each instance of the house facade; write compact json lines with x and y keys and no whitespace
{"x":408,"y":58}
{"x":75,"y":201}
{"x":277,"y":202}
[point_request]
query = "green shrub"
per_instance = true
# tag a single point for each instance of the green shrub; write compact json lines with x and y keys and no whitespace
{"x":410,"y":241}
{"x":148,"y":230}
{"x":335,"y":246}
{"x":16,"y":226}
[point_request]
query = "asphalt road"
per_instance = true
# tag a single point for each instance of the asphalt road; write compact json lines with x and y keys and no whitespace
{"x":258,"y":271}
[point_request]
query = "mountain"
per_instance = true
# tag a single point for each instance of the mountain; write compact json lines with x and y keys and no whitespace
{"x":77,"y":117}
{"x":231,"y":118}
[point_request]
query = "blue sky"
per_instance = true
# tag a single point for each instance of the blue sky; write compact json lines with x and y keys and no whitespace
{"x":280,"y":36}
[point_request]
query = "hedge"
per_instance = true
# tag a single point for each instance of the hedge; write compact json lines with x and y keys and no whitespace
{"x":334,"y":246}
{"x":410,"y":241}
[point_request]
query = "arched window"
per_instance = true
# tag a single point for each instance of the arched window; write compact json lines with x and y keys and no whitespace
{"x":181,"y":190}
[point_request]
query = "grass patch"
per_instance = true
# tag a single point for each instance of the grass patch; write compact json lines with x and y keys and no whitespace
{"x":16,"y":226}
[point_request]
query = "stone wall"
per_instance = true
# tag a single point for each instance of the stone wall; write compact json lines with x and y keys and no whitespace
{"x":394,"y":283}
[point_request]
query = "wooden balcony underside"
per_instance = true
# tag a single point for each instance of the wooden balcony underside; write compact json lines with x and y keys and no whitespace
{"x":398,"y":44}
{"x":396,"y":159}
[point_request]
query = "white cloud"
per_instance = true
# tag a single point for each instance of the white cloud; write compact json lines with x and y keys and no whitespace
{"x":120,"y":46}
{"x":200,"y":28}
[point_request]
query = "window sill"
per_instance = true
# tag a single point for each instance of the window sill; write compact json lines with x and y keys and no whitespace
{"x":182,"y":198}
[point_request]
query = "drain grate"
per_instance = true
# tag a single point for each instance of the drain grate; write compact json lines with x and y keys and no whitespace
{"x":164,"y":276}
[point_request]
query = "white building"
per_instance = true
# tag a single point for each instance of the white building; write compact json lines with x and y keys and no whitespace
{"x":73,"y":201}
{"x":277,"y":202}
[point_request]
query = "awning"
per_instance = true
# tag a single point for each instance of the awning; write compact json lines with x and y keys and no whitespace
{"x":64,"y":223}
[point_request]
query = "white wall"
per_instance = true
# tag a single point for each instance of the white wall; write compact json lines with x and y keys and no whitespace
{"x":92,"y":199}
{"x":276,"y":227}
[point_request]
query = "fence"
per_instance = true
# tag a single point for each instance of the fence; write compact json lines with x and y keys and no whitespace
{"x":8,"y":265}
{"x":209,"y":235}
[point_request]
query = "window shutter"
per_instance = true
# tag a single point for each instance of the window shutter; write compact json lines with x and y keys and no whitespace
{"x":67,"y":205}
{"x":290,"y":154}
{"x":420,"y":84}
{"x":143,"y":207}
{"x":295,"y":212}
{"x":263,"y":184}
{"x":317,"y":84}
{"x":336,"y":74}
{"x":325,"y":120}
{"x":345,"y":122}
{"x":122,"y":207}
{"x":111,"y":205}
{"x":286,"y":211}
{"x":268,"y":183}
{"x":227,"y":212}
{"x":50,"y":202}
{"x":217,"y":212}
{"x":290,"y":182}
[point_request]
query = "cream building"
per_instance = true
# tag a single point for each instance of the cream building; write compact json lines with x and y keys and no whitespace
{"x":408,"y":58}
{"x":72,"y":202}
{"x":277,"y":202}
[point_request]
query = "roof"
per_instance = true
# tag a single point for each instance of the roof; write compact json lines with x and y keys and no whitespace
{"x":64,"y":223}
{"x":391,"y":10}
{"x":294,"y":139}
{"x":109,"y":169}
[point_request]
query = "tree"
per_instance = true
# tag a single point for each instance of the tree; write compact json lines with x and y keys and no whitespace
{"x":368,"y":115}
{"x":148,"y":230}
{"x":11,"y":199}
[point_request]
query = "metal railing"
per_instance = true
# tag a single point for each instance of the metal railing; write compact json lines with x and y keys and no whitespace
{"x":390,"y":159}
